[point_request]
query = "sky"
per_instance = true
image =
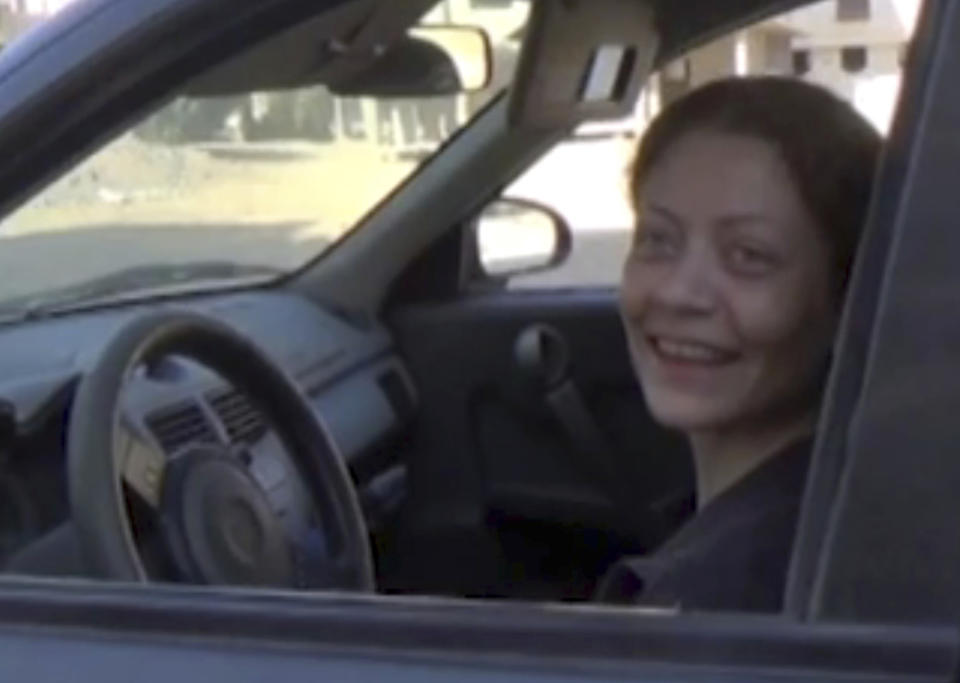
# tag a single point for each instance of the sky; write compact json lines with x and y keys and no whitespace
{"x":907,"y":10}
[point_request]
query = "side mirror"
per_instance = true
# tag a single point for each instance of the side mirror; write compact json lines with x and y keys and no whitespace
{"x":518,"y":236}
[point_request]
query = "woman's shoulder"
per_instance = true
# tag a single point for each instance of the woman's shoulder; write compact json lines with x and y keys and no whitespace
{"x":733,"y":555}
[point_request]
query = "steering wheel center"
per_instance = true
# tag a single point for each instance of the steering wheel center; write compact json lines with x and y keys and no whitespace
{"x":221,"y":524}
{"x":243,"y":532}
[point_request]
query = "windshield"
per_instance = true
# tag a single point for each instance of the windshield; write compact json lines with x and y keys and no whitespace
{"x":255,"y":184}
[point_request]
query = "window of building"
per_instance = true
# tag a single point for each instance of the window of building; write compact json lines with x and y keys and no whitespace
{"x":801,"y":62}
{"x":853,"y":59}
{"x":853,"y":10}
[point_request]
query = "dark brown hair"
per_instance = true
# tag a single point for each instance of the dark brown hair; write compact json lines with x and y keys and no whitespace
{"x":829,"y":148}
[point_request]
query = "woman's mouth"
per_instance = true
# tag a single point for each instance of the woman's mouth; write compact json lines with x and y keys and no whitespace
{"x":690,"y":352}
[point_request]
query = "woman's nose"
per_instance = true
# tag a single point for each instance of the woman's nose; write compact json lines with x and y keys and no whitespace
{"x":689,"y":286}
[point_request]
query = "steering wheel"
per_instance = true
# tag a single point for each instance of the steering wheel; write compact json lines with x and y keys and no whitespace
{"x":214,"y":519}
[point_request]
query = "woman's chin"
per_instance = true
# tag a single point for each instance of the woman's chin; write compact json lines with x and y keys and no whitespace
{"x":688,"y":414}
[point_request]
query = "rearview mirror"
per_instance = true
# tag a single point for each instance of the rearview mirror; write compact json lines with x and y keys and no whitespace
{"x":468,"y":48}
{"x":431,"y":60}
{"x":518,"y":236}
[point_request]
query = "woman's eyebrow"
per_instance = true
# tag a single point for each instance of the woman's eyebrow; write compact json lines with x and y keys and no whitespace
{"x":664,"y":212}
{"x":742,"y":218}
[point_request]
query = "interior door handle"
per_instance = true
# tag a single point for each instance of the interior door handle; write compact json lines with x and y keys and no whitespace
{"x":542,"y":355}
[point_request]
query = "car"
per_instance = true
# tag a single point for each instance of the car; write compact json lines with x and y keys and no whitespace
{"x":284,"y":397}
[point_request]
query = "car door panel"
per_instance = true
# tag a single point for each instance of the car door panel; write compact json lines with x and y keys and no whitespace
{"x":492,"y":454}
{"x":83,"y":631}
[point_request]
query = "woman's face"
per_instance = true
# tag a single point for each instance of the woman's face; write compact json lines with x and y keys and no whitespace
{"x":727,"y":294}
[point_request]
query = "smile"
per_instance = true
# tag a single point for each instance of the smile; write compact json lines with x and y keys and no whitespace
{"x":684,"y":351}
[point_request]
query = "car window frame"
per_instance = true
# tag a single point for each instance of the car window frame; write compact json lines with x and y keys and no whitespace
{"x":878,"y":516}
{"x":865,"y":299}
{"x":255,"y":635}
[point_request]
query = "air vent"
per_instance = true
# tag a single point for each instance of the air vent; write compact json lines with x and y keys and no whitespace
{"x":241,"y":419}
{"x":181,"y":426}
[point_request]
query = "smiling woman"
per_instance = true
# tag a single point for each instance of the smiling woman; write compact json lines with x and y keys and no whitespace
{"x":748,"y":219}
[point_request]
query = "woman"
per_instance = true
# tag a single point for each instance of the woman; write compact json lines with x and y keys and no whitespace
{"x":750,"y":195}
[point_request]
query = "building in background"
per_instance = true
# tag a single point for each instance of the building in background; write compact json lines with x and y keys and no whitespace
{"x":856,"y":48}
{"x":764,"y":48}
{"x":35,"y":7}
{"x":15,"y":18}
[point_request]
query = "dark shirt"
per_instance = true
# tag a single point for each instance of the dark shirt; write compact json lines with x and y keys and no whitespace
{"x":733,"y":555}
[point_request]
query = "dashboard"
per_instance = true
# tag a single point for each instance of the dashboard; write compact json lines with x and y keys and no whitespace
{"x":356,"y":384}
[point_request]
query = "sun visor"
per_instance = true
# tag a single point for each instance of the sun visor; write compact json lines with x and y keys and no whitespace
{"x":581,"y":60}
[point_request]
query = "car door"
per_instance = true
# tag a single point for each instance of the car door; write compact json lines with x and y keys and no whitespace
{"x":84,"y":632}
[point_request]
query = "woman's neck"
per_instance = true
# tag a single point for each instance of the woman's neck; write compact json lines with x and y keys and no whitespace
{"x":723,"y":457}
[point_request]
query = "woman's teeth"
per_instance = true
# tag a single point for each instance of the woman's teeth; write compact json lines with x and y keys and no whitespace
{"x":690,"y":351}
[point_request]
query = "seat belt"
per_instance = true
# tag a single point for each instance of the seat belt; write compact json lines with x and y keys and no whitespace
{"x":542,"y":355}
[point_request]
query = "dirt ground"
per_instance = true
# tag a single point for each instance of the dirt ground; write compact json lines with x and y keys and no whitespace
{"x":131,"y":182}
{"x":134,"y":204}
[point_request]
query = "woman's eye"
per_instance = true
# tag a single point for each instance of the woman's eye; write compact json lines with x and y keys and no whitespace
{"x":655,"y":242}
{"x":752,"y":260}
